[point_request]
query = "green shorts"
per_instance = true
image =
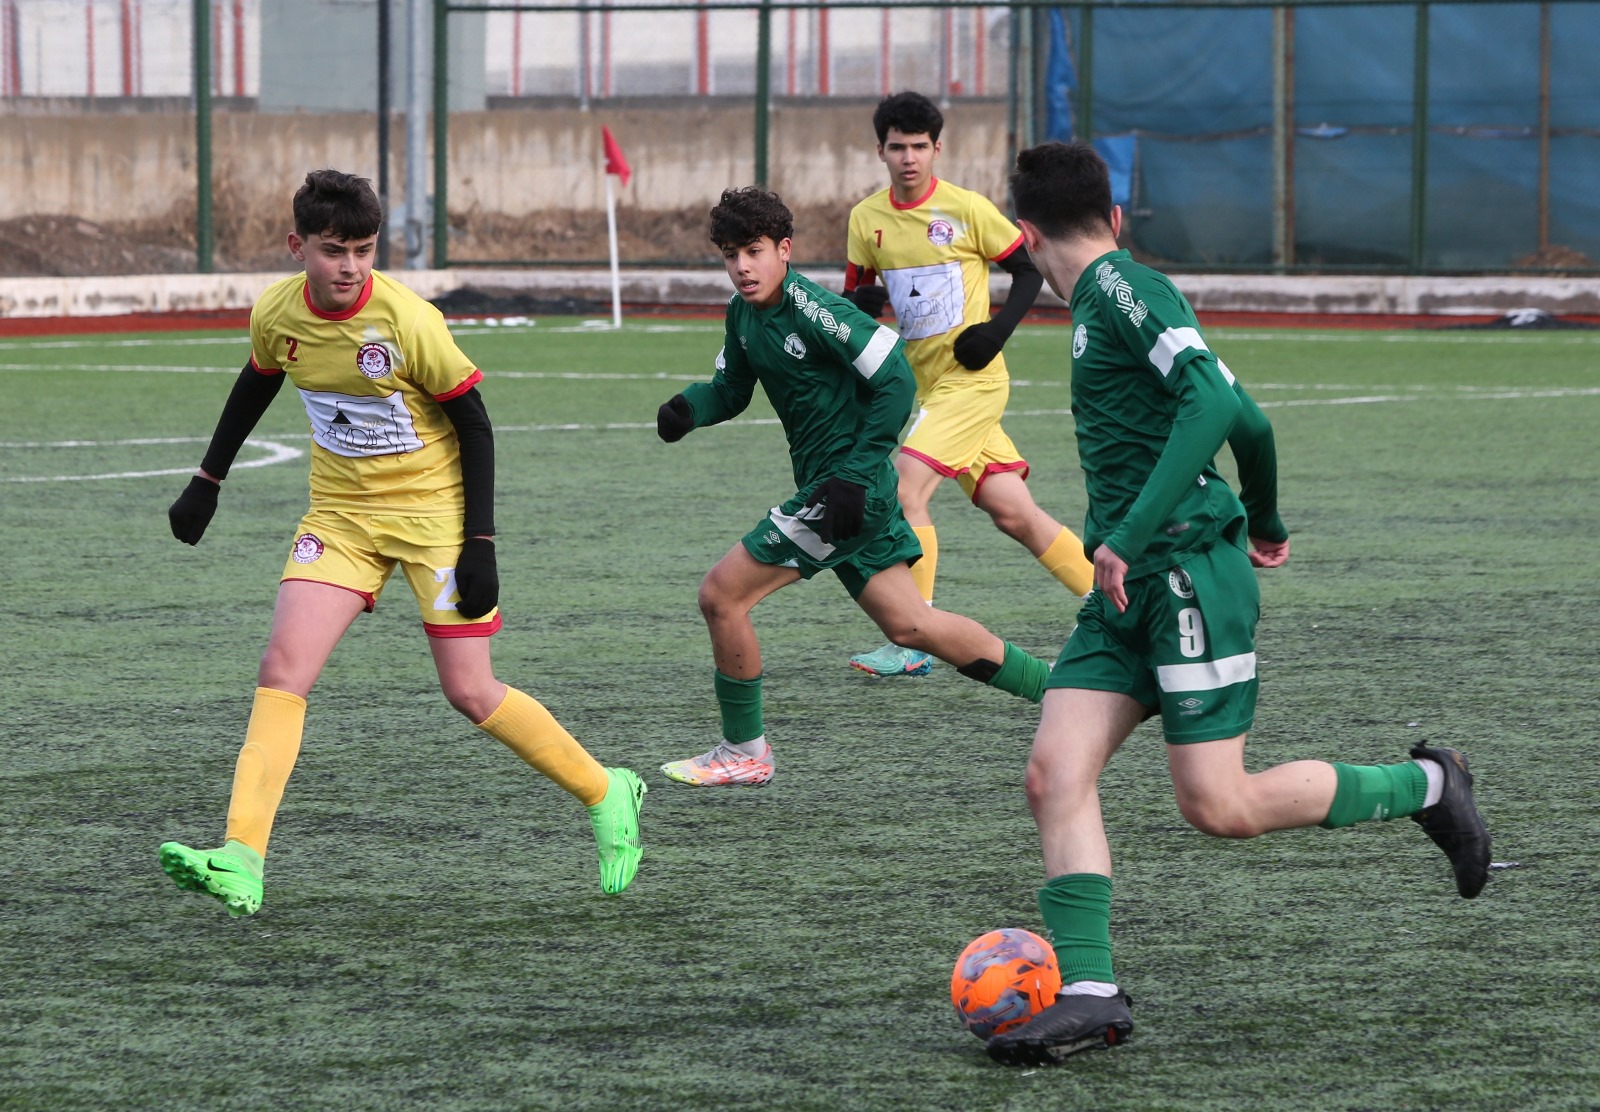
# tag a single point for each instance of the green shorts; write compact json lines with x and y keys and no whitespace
{"x":1185,"y":647}
{"x":785,"y":538}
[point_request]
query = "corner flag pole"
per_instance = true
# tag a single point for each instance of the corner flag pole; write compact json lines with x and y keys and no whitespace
{"x":618,"y":165}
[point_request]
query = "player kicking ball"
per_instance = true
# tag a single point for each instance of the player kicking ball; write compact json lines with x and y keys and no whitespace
{"x":402,"y":475}
{"x":842,"y":389}
{"x":1170,"y":627}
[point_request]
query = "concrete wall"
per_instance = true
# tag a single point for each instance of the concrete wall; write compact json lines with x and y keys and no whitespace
{"x":511,"y":161}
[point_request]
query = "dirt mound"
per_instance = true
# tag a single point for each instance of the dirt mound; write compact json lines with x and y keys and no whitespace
{"x":65,"y":246}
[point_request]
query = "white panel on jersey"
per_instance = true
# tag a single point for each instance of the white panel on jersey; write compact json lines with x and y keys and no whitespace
{"x":928,"y":300}
{"x":798,"y":529}
{"x":1227,"y":374}
{"x":1212,"y":676}
{"x":876,"y":351}
{"x":347,"y":425}
{"x":1172,"y":343}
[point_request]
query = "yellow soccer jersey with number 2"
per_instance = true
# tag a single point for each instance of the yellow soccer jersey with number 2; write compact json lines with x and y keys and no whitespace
{"x":934,"y":257}
{"x":371,"y":378}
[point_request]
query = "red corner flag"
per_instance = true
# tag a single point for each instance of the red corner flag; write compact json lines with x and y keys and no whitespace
{"x":616,"y":163}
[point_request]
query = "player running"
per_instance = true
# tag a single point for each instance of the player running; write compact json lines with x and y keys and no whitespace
{"x":931,"y":243}
{"x":842,"y":390}
{"x":402,"y":474}
{"x":1170,"y":628}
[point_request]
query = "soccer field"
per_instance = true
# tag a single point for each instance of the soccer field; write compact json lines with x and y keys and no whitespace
{"x":433,"y":934}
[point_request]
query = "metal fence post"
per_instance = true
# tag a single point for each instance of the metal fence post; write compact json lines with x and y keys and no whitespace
{"x":763,"y":88}
{"x":1419,"y":141}
{"x":441,"y":133}
{"x":204,"y":233}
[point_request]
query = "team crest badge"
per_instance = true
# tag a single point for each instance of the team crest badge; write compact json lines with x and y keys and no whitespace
{"x":1080,"y":341}
{"x":372,"y":360}
{"x":307,"y":548}
{"x":941,"y":233}
{"x":1178,"y":580}
{"x":794,"y":346}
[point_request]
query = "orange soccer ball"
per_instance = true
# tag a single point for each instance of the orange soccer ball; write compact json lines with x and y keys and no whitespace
{"x":1002,"y":979}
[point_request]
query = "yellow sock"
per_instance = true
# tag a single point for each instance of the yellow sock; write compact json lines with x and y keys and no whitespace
{"x":522,"y":724}
{"x":271,"y":744}
{"x":923,"y":570}
{"x":1065,"y":560}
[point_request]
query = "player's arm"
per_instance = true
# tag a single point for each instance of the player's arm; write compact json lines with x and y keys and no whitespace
{"x":726,"y":396}
{"x":477,"y":573}
{"x":1255,"y":451}
{"x":1207,"y":409}
{"x":252,"y":393}
{"x":880,"y":361}
{"x":861,"y":286}
{"x":978,"y":344}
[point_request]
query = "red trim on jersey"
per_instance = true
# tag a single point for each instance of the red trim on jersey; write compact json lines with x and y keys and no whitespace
{"x":998,"y":469}
{"x":372,"y":600}
{"x":361,"y":302}
{"x":1008,"y":251}
{"x":477,"y":629}
{"x":933,"y":183}
{"x":856,"y":276}
{"x":472,"y":380}
{"x":259,"y":369}
{"x":942,"y":468}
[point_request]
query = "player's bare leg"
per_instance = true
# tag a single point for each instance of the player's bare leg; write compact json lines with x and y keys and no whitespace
{"x":1078,"y":732}
{"x":307,"y":622}
{"x":917,"y":482}
{"x":729,"y":592}
{"x":1005,"y":497}
{"x":891,"y":599}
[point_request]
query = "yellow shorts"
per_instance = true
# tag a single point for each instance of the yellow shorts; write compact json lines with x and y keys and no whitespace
{"x":956,"y":431}
{"x":359,"y":552}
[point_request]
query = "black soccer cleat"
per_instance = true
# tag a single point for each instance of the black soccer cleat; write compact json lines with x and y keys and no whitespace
{"x":1454,"y":823}
{"x":1071,"y":1024}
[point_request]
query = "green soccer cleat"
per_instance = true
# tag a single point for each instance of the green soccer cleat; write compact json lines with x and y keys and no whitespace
{"x":893,"y":660}
{"x":616,"y":829}
{"x":232,"y":874}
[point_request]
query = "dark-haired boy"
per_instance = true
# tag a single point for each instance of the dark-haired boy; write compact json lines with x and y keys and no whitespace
{"x":931,"y":243}
{"x":1170,"y":628}
{"x":842,"y":390}
{"x":402,"y":474}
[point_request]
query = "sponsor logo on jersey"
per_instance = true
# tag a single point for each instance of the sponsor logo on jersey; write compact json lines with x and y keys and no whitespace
{"x":1115,"y":286}
{"x":307,"y":548}
{"x":794,"y":345}
{"x":1178,"y":580}
{"x":941,"y":233}
{"x":1191,"y":706}
{"x":373,"y":360}
{"x":1080,"y":341}
{"x":815,"y":311}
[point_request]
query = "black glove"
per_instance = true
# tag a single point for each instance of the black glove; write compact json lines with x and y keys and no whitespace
{"x":844,"y":504}
{"x":191,"y":513}
{"x":674,"y":420}
{"x":477,"y":579}
{"x":870,"y":299}
{"x":977,"y":346}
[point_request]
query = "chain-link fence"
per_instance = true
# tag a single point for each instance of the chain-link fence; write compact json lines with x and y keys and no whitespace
{"x":1312,"y":137}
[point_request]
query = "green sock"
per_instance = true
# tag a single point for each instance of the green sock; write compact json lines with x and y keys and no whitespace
{"x":1021,"y":674}
{"x":1376,"y":792}
{"x":740,"y":701}
{"x":1077,"y":913}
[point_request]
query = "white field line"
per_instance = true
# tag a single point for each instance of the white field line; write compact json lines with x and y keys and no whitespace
{"x":278,"y":452}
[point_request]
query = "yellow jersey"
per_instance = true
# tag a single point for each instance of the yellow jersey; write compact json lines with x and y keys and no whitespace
{"x":371,"y":378}
{"x":933,"y":256}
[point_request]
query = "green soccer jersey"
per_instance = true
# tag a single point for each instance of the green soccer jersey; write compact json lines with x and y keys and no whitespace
{"x":838,"y":380}
{"x":1152,"y":405}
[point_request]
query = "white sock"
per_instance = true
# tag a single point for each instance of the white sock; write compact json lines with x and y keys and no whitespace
{"x":1435,"y":773}
{"x":756,"y":747}
{"x":1088,"y":988}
